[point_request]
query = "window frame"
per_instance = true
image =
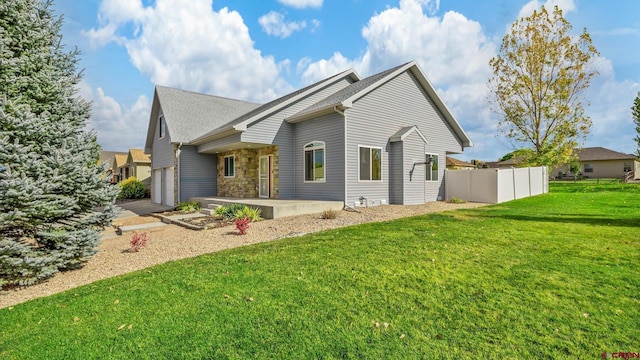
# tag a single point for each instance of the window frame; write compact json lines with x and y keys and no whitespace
{"x":627,"y":165}
{"x":371,"y":148}
{"x":429,"y":168}
{"x":589,"y":169}
{"x":312,"y":147}
{"x":225,"y":166}
{"x":161,"y":127}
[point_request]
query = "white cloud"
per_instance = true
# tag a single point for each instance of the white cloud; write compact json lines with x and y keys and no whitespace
{"x":301,"y":4}
{"x":315,"y":71}
{"x":564,"y":5}
{"x":273,"y":23}
{"x":452,"y":50}
{"x":118,"y":128}
{"x":188,"y":45}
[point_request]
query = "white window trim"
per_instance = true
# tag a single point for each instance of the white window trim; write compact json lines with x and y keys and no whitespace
{"x":304,"y":159}
{"x":425,"y":177}
{"x":162,"y":127}
{"x":370,"y":165}
{"x":224,"y":166}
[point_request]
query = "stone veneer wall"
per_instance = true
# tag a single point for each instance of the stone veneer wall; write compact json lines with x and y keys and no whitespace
{"x":245,"y":182}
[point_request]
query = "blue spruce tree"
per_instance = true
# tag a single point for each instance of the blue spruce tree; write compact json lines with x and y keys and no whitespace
{"x":50,"y":179}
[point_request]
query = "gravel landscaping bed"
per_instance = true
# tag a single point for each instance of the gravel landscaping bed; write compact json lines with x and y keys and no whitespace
{"x":172,"y":242}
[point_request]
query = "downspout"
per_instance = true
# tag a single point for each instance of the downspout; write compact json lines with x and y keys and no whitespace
{"x":335,"y":108}
{"x":178,"y":170}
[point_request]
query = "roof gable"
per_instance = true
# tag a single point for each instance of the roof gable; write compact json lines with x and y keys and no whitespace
{"x":241,"y":122}
{"x":138,"y":156}
{"x":345,"y":98}
{"x":406,"y":131}
{"x":188,"y":114}
{"x":119,"y":160}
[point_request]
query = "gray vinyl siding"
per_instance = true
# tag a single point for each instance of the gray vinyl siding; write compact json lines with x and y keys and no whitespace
{"x":162,"y":154}
{"x":198,"y":173}
{"x":330,"y":130}
{"x":378,"y":115}
{"x":396,"y":172}
{"x":414,"y":183}
{"x":274,"y":130}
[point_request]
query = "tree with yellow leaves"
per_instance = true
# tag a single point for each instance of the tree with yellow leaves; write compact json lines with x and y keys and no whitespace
{"x":539,"y":79}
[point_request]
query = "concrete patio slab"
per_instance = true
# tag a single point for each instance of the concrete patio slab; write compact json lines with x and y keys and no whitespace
{"x":274,"y":208}
{"x":142,"y":207}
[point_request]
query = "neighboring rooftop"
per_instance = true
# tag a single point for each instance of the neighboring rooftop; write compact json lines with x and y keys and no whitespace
{"x":109,"y":156}
{"x":600,"y":153}
{"x":459,"y":163}
{"x":138,"y":155}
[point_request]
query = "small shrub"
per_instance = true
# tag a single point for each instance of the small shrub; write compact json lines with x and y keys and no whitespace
{"x":138,"y":241}
{"x":243,"y":225}
{"x":228,"y":212}
{"x":455,"y":200}
{"x":329,"y":214}
{"x":132,"y":188}
{"x":189,"y":206}
{"x":246,"y":212}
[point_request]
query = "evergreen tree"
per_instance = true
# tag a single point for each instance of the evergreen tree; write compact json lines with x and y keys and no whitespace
{"x":50,"y":178}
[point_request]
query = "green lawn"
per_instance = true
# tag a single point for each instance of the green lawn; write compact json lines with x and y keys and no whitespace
{"x":554,"y":276}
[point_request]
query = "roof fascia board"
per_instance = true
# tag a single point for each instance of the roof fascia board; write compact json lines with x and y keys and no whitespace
{"x":243,"y":125}
{"x":151,"y":130}
{"x":339,"y":108}
{"x":407,"y":133}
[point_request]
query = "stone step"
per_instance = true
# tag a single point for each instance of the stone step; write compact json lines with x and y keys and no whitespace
{"x":206,"y":211}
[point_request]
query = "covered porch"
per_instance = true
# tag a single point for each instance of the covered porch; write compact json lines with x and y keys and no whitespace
{"x":273,"y":208}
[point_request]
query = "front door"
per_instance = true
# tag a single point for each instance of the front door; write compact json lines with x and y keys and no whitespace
{"x":264,"y":188}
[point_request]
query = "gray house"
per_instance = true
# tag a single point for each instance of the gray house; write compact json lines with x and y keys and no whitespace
{"x":381,"y":139}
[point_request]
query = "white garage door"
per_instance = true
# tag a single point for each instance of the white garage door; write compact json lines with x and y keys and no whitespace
{"x":156,"y":186}
{"x":167,"y":199}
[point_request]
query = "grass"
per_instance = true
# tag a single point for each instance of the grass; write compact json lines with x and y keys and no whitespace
{"x":553,"y":276}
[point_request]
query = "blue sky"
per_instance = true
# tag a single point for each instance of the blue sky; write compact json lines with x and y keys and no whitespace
{"x":258,"y":50}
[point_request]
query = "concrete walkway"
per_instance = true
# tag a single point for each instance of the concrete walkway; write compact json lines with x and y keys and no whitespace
{"x":142,"y":207}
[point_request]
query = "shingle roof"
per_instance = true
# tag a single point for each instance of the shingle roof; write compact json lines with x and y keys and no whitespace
{"x":600,"y":153}
{"x":349,"y":91}
{"x":405,"y":131}
{"x":119,"y":160}
{"x":273,"y":105}
{"x":455,"y":162}
{"x":108,"y":156}
{"x":138,"y":155}
{"x":189,"y":115}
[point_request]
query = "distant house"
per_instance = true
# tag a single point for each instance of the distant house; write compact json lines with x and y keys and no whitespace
{"x":108,"y":157}
{"x":383,"y":138}
{"x":455,"y":164}
{"x":139,"y":164}
{"x":120,"y":170}
{"x":599,"y":162}
{"x":134,"y":163}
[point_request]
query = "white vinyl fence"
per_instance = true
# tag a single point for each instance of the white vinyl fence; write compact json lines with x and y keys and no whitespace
{"x":496,"y":185}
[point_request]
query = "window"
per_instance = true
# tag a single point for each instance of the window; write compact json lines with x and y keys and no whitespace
{"x":431,"y":167}
{"x":588,"y":168}
{"x":314,"y":161}
{"x":161,"y":127}
{"x":627,"y":166}
{"x":230,"y":166}
{"x":370,"y":163}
